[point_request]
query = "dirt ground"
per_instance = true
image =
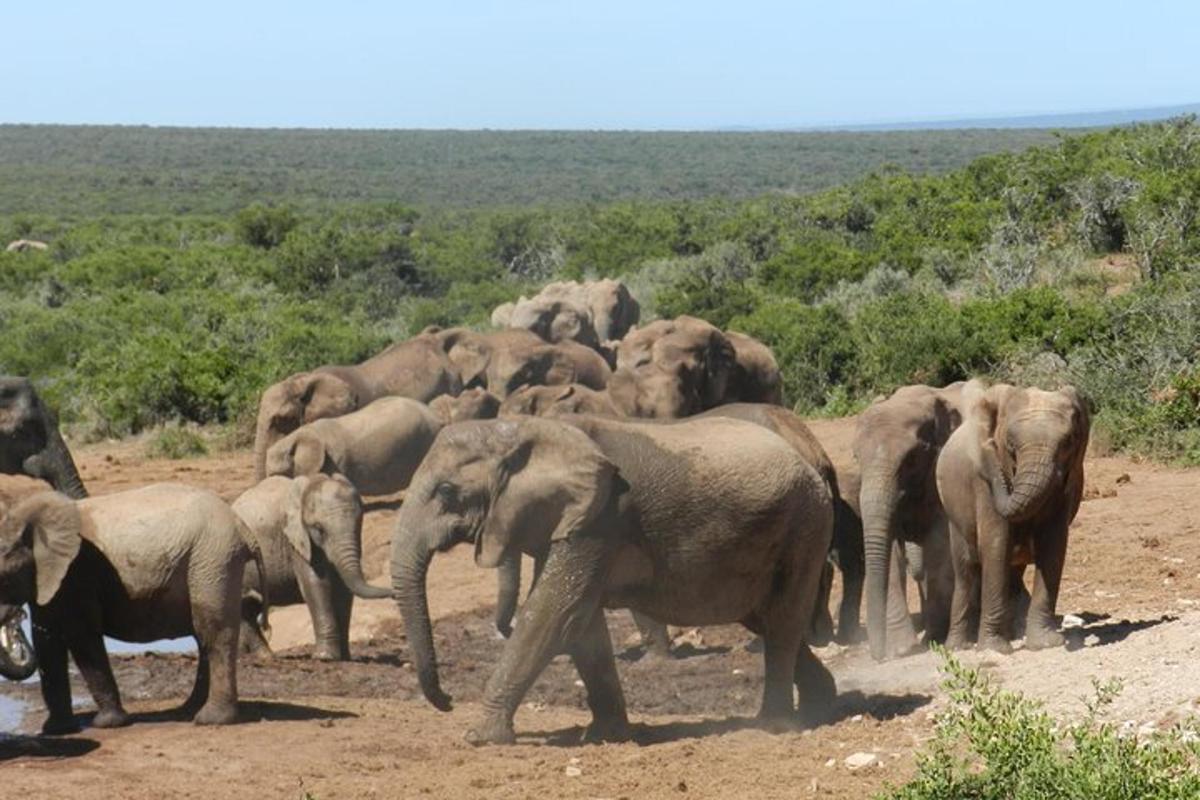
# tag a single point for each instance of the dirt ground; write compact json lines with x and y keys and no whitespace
{"x":362,"y":729}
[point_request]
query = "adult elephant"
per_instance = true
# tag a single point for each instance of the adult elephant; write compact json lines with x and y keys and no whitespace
{"x":756,"y":377}
{"x":417,"y":368}
{"x":672,"y":368}
{"x":700,"y":523}
{"x":610,"y":308}
{"x":153,"y":563}
{"x":555,"y":319}
{"x":897,"y":445}
{"x":310,"y":532}
{"x":1011,"y":479}
{"x":30,"y":443}
{"x":504,"y":361}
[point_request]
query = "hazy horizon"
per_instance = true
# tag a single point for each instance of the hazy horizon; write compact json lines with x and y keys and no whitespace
{"x":538,"y":65}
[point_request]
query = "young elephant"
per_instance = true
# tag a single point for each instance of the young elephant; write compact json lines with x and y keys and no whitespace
{"x":1034,"y":442}
{"x":153,"y":563}
{"x":700,"y":523}
{"x":555,"y":401}
{"x":310,"y":533}
{"x":377,"y":448}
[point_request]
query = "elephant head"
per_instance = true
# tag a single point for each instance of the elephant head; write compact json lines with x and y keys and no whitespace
{"x":507,"y":486}
{"x":553,"y":401}
{"x":301,"y":452}
{"x":1026,"y":443}
{"x":614,"y":309}
{"x":555,"y":320}
{"x":896,"y":446}
{"x":325,"y":514}
{"x":296,"y":401}
{"x":471,"y":404}
{"x":673,"y":368}
{"x":39,"y":538}
{"x":30,"y":443}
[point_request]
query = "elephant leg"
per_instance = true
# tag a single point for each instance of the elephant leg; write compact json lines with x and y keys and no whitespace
{"x":51,"y":650}
{"x":554,"y":617}
{"x":593,"y":658}
{"x":901,"y":635}
{"x":217,"y":640}
{"x":92,"y":659}
{"x":994,"y":555}
{"x":508,"y":592}
{"x":848,"y":549}
{"x":815,"y":686}
{"x":655,"y":638}
{"x":938,"y":575}
{"x":820,"y":629}
{"x":318,"y":590}
{"x":1020,"y":599}
{"x":251,"y":639}
{"x":964,"y":604}
{"x":1050,"y":551}
{"x":199,"y":695}
{"x":343,"y":609}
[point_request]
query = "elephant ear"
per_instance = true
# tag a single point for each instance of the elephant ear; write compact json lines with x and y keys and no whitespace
{"x":550,"y":483}
{"x":294,"y":528}
{"x":308,"y":454}
{"x":49,"y":523}
{"x":470,"y":358}
{"x":986,"y":410}
{"x":325,"y":395}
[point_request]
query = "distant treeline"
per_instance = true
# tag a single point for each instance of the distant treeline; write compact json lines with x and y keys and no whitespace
{"x":1072,"y":262}
{"x":83,"y":170}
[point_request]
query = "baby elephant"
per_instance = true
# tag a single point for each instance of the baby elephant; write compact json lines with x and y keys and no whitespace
{"x":154,"y":563}
{"x":378,"y":448}
{"x":310,"y":532}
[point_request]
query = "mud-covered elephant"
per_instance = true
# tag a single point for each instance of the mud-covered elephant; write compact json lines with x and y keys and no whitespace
{"x":378,"y":448}
{"x":672,"y":368}
{"x":504,"y":361}
{"x":610,"y":308}
{"x":556,"y":401}
{"x":153,"y":563}
{"x":417,"y":368}
{"x":555,"y":319}
{"x":30,"y":443}
{"x":700,"y":523}
{"x":896,"y":444}
{"x":1011,"y":480}
{"x":310,"y":532}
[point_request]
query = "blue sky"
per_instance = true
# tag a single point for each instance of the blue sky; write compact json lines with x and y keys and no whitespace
{"x":614,"y":64}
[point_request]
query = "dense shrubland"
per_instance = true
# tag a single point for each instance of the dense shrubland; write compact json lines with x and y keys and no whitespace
{"x":1070,"y":262}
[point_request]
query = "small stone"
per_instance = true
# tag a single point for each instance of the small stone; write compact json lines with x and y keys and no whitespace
{"x":860,"y":760}
{"x":579,"y":683}
{"x":739,"y":672}
{"x":573,"y":772}
{"x":831,"y":762}
{"x":1091,"y":640}
{"x":1072,"y":621}
{"x":857,"y":718}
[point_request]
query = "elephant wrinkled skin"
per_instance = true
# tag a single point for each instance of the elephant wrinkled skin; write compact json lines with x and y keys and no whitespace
{"x":627,"y":515}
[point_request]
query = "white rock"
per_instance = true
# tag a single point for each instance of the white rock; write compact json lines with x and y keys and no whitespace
{"x":1072,"y":621}
{"x":860,"y":760}
{"x":1091,"y":640}
{"x":831,"y":762}
{"x":573,"y":772}
{"x":856,"y":718}
{"x":579,"y":683}
{"x":739,"y":672}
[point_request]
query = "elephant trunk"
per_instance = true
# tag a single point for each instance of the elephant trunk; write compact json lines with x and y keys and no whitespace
{"x":264,"y":437}
{"x":410,"y":565}
{"x":347,"y":561}
{"x":61,"y":466}
{"x":880,"y":499}
{"x":1033,"y":477}
{"x":508,"y":593}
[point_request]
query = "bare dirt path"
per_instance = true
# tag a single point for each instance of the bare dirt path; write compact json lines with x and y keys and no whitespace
{"x":362,"y":729}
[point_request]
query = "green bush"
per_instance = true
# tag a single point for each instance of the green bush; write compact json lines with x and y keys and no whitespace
{"x":992,"y":744}
{"x":175,"y":443}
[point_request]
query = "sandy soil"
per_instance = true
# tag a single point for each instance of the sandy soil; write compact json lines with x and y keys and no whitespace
{"x":362,"y":729}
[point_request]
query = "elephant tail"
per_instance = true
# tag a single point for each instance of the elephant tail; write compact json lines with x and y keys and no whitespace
{"x":256,"y":555}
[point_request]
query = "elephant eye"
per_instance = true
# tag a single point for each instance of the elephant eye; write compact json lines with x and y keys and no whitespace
{"x":446,"y":492}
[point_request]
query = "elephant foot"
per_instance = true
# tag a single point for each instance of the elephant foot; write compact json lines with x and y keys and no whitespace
{"x":110,"y":718}
{"x":608,"y":730}
{"x":216,"y":715}
{"x":822,"y":630}
{"x":907,"y":646}
{"x":997,"y":644}
{"x":850,"y":634}
{"x":780,"y":723}
{"x":957,"y":641}
{"x":330,"y":654}
{"x":491,"y":732}
{"x":818,"y":693}
{"x":1043,"y":638}
{"x":60,"y":725}
{"x":503,"y":631}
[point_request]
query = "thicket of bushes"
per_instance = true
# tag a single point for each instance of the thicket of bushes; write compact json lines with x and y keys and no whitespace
{"x":1073,"y":262}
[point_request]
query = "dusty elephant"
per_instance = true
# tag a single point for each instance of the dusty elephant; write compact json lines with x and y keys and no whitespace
{"x":1011,"y":480}
{"x":756,"y":377}
{"x":417,"y":368}
{"x":672,"y":368}
{"x":378,"y":448}
{"x":610,"y":308}
{"x":504,"y":361}
{"x":555,"y":319}
{"x":470,"y":404}
{"x":25,"y":246}
{"x":601,"y":498}
{"x":153,"y":563}
{"x":309,"y":530}
{"x":896,"y":445}
{"x":556,"y":401}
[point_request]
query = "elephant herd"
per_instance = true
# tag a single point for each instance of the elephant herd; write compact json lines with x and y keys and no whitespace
{"x":648,"y":467}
